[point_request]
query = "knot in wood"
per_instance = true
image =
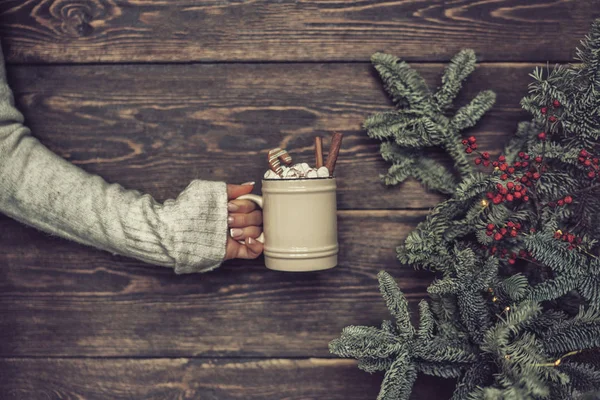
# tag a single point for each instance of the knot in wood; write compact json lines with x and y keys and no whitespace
{"x":76,"y":19}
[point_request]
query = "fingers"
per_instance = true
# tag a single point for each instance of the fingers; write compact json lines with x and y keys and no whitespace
{"x":251,"y":249}
{"x":241,"y":206}
{"x":235,"y":191}
{"x":253,"y":218}
{"x":244,"y":233}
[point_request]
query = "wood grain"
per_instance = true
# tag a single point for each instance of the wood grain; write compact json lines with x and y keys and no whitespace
{"x":212,"y":122}
{"x":61,"y":298}
{"x":184,"y":378}
{"x":319,"y":30}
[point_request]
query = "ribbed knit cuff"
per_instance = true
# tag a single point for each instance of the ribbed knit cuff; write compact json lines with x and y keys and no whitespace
{"x":196,"y":224}
{"x":188,"y":233}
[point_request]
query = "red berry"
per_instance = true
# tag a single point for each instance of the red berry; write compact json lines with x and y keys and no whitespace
{"x":510,"y":224}
{"x":511,"y":261}
{"x":489,"y":195}
{"x":518,"y":195}
{"x":465,"y":142}
{"x":472,"y":139}
{"x":486,"y":163}
{"x":503,"y":167}
{"x":595,"y":161}
{"x":557,"y":235}
{"x":524,"y":164}
{"x":477,"y":161}
{"x":524,"y":179}
{"x":518,"y":225}
{"x":526,"y":156}
{"x":556,"y":103}
{"x":561,"y":202}
{"x":504,"y":177}
{"x":490,"y":227}
{"x":568,"y":199}
{"x":581,"y":159}
{"x":587,"y":162}
{"x":532,"y":230}
{"x":552,"y":119}
{"x":489,"y":233}
{"x":474,"y":146}
{"x":497,"y":200}
{"x":538,"y":159}
{"x":518,"y":164}
{"x":583,"y":153}
{"x":511,"y":170}
{"x":536,"y":175}
{"x":503,"y":231}
{"x":485,"y":155}
{"x":542,"y":136}
{"x":519,"y":187}
{"x":544,"y":110}
{"x":497,"y":236}
{"x":509,"y":197}
{"x":510,"y":185}
{"x":513,"y":233}
{"x":526,"y":198}
{"x":591,"y":174}
{"x":469,"y":150}
{"x":521,"y":154}
{"x":495,"y":163}
{"x":501,"y":158}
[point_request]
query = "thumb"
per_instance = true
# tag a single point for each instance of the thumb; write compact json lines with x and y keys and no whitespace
{"x":235,"y":191}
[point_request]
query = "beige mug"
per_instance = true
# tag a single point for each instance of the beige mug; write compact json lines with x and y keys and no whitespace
{"x":299,"y":223}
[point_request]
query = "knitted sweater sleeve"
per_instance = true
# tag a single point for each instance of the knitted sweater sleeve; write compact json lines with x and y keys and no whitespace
{"x":43,"y":190}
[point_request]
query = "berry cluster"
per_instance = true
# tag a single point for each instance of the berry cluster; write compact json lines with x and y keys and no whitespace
{"x":508,"y":193}
{"x":544,"y":111}
{"x":470,"y":144}
{"x":512,"y":257}
{"x":511,"y":229}
{"x":590,"y":162}
{"x":568,"y":237}
{"x":561,"y":202}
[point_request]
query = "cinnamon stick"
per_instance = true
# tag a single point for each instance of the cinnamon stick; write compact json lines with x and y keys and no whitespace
{"x":318,"y":152}
{"x":336,"y":143}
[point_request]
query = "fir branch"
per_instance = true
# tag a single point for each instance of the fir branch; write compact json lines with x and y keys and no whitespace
{"x":460,"y":67}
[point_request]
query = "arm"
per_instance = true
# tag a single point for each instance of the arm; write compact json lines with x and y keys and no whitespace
{"x":41,"y":189}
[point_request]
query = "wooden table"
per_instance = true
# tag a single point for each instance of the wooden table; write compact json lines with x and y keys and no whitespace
{"x":152,"y":94}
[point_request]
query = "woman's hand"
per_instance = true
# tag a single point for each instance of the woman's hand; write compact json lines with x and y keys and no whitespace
{"x":244,"y":220}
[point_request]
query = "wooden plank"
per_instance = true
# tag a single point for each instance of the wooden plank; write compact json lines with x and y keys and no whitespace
{"x":184,"y":378}
{"x":61,"y":298}
{"x":182,"y":122}
{"x":195,"y":30}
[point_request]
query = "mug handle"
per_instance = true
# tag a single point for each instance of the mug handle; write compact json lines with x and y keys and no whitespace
{"x":259,"y":202}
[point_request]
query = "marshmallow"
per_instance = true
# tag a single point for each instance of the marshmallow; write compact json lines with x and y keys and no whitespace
{"x":323,"y":172}
{"x":298,"y":171}
{"x":271,"y":175}
{"x":291,"y":173}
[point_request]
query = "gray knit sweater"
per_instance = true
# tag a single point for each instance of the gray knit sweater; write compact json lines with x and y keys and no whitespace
{"x":40,"y":189}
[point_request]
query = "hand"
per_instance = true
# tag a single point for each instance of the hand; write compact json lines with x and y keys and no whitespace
{"x":244,"y":220}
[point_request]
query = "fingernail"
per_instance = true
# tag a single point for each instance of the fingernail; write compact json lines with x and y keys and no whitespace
{"x":230,"y":220}
{"x":250,"y":240}
{"x":235,"y":232}
{"x":231,"y":207}
{"x":248,"y":183}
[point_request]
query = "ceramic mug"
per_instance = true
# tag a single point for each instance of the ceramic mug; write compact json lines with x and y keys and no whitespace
{"x":299,"y":223}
